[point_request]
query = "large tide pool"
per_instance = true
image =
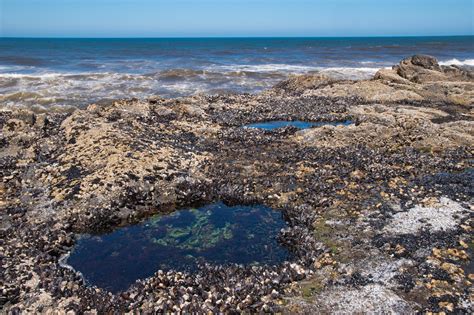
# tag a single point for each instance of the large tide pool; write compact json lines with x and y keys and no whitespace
{"x":216,"y":233}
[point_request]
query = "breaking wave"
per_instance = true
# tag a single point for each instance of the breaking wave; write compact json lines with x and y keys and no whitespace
{"x":83,"y":88}
{"x":456,"y":62}
{"x":62,"y":72}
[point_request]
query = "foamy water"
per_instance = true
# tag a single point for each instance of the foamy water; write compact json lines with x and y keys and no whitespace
{"x":456,"y":62}
{"x":77,"y":72}
{"x":76,"y":89}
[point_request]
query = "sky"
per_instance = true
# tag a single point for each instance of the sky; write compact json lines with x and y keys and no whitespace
{"x":242,"y":18}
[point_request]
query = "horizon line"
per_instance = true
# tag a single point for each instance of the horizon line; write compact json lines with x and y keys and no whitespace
{"x":222,"y":37}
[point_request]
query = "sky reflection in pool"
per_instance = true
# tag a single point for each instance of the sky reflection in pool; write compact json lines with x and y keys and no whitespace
{"x":275,"y":124}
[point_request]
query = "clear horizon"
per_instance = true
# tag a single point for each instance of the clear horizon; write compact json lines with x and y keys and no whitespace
{"x":232,"y":18}
{"x":230,"y":37}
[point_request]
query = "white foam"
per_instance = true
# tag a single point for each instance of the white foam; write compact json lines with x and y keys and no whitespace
{"x":457,"y":62}
{"x":352,"y":73}
{"x":31,"y":75}
{"x":49,"y":75}
{"x":271,"y":67}
{"x":70,"y":88}
{"x":83,"y":88}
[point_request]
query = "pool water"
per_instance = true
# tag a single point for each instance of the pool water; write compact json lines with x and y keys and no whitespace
{"x":216,"y":233}
{"x":275,"y":124}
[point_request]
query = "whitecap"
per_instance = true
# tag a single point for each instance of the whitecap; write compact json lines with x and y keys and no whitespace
{"x":457,"y":62}
{"x":30,"y":75}
{"x":82,"y":88}
{"x":269,"y":67}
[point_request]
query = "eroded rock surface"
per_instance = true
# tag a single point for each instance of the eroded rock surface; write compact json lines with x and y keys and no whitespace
{"x":379,"y":212}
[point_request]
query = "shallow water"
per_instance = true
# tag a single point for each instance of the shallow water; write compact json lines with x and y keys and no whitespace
{"x":275,"y":124}
{"x":50,"y":72}
{"x":216,"y":233}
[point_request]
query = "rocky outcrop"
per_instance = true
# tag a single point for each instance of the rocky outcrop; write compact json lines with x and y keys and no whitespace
{"x":343,"y":190}
{"x":423,"y":69}
{"x":414,"y":79}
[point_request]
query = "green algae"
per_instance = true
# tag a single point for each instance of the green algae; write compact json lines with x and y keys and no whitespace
{"x":199,"y":236}
{"x":325,"y":234}
{"x":215,"y":233}
{"x":311,"y":287}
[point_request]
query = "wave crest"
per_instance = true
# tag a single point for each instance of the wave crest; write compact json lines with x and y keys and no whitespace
{"x":79,"y":89}
{"x":457,"y":62}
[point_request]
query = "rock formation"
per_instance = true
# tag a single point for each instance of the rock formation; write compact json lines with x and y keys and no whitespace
{"x":343,"y":190}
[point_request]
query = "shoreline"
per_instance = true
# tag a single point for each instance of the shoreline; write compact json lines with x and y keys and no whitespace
{"x":344,"y":190}
{"x":81,"y":72}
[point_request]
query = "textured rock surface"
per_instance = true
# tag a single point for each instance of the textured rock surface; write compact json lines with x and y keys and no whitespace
{"x":346,"y":192}
{"x":394,"y":127}
{"x":422,"y":69}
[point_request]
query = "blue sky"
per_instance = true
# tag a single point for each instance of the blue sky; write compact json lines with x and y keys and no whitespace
{"x":182,"y":18}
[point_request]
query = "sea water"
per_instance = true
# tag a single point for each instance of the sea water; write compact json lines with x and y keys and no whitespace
{"x":77,"y":72}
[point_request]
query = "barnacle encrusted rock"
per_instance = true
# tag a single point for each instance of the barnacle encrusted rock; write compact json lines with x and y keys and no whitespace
{"x":392,"y":191}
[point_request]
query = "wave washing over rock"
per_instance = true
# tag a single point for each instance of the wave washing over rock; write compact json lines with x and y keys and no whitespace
{"x":65,"y":90}
{"x":64,"y":73}
{"x":456,"y":62}
{"x":379,"y":212}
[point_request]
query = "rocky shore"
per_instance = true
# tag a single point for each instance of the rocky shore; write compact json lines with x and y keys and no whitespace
{"x":380,"y":212}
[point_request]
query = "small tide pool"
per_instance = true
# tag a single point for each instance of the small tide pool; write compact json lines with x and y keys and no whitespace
{"x":216,"y":233}
{"x":275,"y":124}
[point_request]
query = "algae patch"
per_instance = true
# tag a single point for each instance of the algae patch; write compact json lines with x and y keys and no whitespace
{"x":201,"y":235}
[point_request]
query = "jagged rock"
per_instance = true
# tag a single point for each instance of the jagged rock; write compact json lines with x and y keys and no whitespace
{"x":424,"y":61}
{"x":414,"y":79}
{"x":423,"y":69}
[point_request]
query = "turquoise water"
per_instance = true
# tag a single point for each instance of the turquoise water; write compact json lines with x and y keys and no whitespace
{"x":48,"y":72}
{"x":275,"y":124}
{"x":216,"y":233}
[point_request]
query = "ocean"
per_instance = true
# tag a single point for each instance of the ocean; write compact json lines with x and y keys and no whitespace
{"x":48,"y":73}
